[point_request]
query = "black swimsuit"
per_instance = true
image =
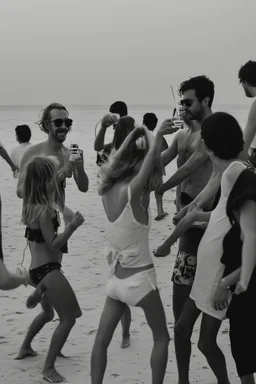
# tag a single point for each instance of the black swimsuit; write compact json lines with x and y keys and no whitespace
{"x":37,"y":274}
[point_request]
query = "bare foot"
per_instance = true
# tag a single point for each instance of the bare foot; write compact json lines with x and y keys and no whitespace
{"x":25,"y":352}
{"x":161,"y":216}
{"x":126,"y":342}
{"x":52,"y":376}
{"x":162,"y":251}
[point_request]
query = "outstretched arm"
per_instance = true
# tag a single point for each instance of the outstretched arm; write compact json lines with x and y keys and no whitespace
{"x":191,"y":166}
{"x":204,"y":197}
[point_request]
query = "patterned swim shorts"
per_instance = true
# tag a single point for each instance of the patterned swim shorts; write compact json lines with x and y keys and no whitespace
{"x":184,"y":269}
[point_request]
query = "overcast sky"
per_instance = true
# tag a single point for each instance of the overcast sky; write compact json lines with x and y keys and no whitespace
{"x":97,"y":51}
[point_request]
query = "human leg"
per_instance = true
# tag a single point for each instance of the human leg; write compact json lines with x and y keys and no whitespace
{"x":155,"y":316}
{"x":37,"y":324}
{"x":160,"y":210}
{"x":180,"y":294}
{"x":111,"y":315}
{"x":182,"y":334}
{"x":126,"y":323}
{"x":64,"y":301}
{"x":208,"y":346}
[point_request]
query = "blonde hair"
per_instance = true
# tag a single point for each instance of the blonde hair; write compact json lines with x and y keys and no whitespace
{"x":121,"y":164}
{"x":41,"y":173}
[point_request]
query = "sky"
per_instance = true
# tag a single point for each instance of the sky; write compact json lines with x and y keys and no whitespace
{"x":97,"y":51}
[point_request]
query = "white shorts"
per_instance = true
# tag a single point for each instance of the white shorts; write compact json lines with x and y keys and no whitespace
{"x":133,"y":288}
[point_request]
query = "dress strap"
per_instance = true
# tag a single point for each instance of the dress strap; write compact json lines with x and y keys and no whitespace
{"x":129,"y":193}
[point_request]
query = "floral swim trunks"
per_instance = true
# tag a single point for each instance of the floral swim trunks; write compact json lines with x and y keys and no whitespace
{"x":184,"y":269}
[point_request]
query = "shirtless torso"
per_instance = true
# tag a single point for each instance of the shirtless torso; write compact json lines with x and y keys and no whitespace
{"x":188,"y":142}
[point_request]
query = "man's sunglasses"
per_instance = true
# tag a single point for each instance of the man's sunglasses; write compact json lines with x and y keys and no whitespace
{"x":186,"y":102}
{"x":59,"y":122}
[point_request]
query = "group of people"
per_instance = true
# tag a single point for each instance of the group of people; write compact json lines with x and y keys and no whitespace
{"x":214,"y":272}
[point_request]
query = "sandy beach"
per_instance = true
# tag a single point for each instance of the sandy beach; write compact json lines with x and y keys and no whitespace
{"x":86,"y":269}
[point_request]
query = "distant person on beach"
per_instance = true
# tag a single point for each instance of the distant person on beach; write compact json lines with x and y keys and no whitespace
{"x":41,"y":199}
{"x":128,"y":177}
{"x":247,"y":78}
{"x":56,"y":123}
{"x":6,"y":157}
{"x":223,"y":140}
{"x":117,"y":109}
{"x":150,"y":121}
{"x":23,"y":136}
{"x":9,"y":280}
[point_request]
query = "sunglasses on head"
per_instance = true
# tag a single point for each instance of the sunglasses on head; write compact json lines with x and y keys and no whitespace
{"x":59,"y":122}
{"x":186,"y":102}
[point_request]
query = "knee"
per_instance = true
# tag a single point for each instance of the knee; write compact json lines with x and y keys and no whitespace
{"x":181,"y":332}
{"x":205,"y":345}
{"x":48,"y":315}
{"x":163,"y":339}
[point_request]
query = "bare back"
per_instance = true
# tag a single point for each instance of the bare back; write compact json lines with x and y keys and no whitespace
{"x":115,"y":201}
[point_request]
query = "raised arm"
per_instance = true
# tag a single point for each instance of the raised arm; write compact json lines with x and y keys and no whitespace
{"x":106,"y":122}
{"x":191,"y":166}
{"x":154,"y":144}
{"x":249,"y":131}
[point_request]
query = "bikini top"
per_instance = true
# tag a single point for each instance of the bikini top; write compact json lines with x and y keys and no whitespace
{"x":37,"y":236}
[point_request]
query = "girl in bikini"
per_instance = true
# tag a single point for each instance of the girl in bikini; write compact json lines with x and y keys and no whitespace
{"x":41,"y":201}
{"x":128,"y":177}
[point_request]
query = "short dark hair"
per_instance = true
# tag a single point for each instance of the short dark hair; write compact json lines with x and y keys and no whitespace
{"x":202,"y":85}
{"x":119,"y":107}
{"x":150,"y":120}
{"x":46,"y":115}
{"x":247,"y":73}
{"x":223,"y":135}
{"x":23,"y":133}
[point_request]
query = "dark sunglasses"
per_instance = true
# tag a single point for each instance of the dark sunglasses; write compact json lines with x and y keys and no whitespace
{"x":186,"y":102}
{"x":59,"y":122}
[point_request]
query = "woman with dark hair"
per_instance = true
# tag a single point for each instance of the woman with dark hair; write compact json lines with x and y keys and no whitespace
{"x":223,"y":141}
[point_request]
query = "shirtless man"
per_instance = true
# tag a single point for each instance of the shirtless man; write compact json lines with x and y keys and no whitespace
{"x":56,"y":123}
{"x":194,"y":171}
{"x":247,"y":78}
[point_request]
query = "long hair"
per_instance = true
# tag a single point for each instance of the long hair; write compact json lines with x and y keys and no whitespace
{"x":40,"y":189}
{"x":122,"y":129}
{"x":122,"y":163}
